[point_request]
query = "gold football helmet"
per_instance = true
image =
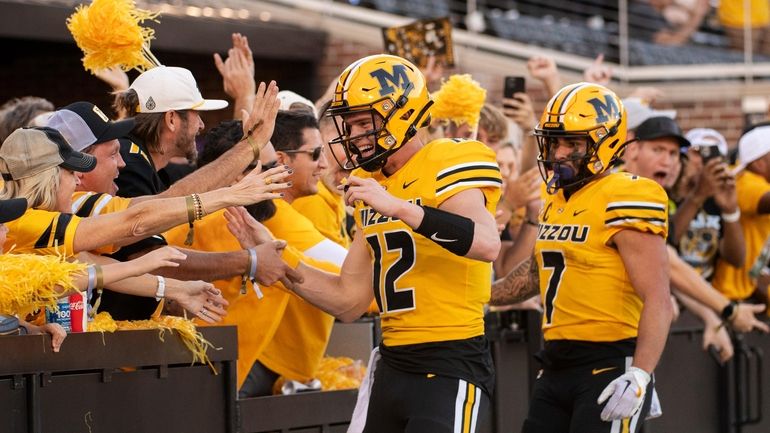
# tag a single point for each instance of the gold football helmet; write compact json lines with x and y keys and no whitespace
{"x":584,"y":111}
{"x":394,"y":92}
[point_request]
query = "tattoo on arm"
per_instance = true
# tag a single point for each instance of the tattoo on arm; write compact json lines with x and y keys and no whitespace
{"x":520,"y":284}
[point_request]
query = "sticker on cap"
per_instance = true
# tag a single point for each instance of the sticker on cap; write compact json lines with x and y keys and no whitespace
{"x":150,"y":104}
{"x":100,"y":114}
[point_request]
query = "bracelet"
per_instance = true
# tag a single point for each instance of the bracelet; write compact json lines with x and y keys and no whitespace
{"x":254,"y":147}
{"x":249,"y":139}
{"x":190,"y":201}
{"x":198,"y":205}
{"x":99,"y":277}
{"x":732,"y":217}
{"x":251,"y":273}
{"x":91,"y":280}
{"x":530,"y":222}
{"x":160,"y":293}
{"x":98,"y":285}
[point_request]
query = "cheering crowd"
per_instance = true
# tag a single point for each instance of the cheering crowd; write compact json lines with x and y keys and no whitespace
{"x":601,"y":213}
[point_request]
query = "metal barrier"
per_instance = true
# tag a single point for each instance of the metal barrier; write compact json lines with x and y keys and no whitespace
{"x":88,"y":387}
{"x":321,"y":412}
{"x":121,"y":382}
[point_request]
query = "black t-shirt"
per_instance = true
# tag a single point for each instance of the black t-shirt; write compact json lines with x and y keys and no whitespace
{"x":137,"y":178}
{"x":699,"y":245}
{"x":173,"y":172}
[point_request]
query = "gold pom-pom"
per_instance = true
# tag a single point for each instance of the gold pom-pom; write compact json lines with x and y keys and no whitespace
{"x":109,"y":34}
{"x":192,"y":339}
{"x":460,"y":100}
{"x":103,"y":322}
{"x":29,"y":282}
{"x":340,"y":373}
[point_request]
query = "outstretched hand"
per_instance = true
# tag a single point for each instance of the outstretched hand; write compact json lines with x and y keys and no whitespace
{"x":259,"y":123}
{"x":520,"y":110}
{"x":248,"y":231}
{"x":745,"y":321}
{"x":115,"y":77}
{"x":164,"y":257}
{"x":258,"y":185}
{"x":598,"y":72}
{"x":238,"y":70}
{"x":199,"y":298}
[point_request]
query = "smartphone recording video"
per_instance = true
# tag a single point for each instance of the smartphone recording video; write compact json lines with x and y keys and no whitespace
{"x":512,"y":86}
{"x":708,"y":153}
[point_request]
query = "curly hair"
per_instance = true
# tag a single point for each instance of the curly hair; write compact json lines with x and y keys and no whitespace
{"x":219,"y":140}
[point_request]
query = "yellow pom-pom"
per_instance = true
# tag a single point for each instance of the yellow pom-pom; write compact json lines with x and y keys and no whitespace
{"x":190,"y":336}
{"x":102,"y":322}
{"x":29,"y":282}
{"x":109,"y":34}
{"x":460,"y":100}
{"x":340,"y":373}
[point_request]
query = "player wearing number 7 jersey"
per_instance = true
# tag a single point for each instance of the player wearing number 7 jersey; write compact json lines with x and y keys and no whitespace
{"x":601,"y":267}
{"x":423,"y":249}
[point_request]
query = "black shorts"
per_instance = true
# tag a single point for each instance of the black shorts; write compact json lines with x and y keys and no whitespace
{"x":564,"y":400}
{"x":421,"y":403}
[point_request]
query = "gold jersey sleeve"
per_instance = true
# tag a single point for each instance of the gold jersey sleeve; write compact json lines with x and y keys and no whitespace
{"x":424,"y":292}
{"x":327,"y":212}
{"x":586,"y":292}
{"x":737,"y":283}
{"x":42,"y":232}
{"x":87,"y":204}
{"x":299,"y":342}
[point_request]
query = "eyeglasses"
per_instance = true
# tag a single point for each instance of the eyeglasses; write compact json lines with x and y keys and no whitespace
{"x":315,"y":153}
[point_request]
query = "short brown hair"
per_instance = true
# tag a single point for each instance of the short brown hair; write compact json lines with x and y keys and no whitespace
{"x":493,"y":121}
{"x":18,"y":112}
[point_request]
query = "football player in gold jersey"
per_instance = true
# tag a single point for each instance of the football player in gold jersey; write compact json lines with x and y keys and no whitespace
{"x":424,"y":242}
{"x":601,"y":267}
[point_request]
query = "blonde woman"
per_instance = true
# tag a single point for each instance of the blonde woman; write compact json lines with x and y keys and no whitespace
{"x":183,"y":292}
{"x":39,"y":165}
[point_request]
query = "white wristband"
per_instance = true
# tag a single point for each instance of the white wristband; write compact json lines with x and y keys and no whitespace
{"x":732,"y":217}
{"x":161,"y":292}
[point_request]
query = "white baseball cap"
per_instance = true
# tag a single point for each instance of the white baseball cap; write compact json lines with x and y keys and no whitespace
{"x":289,"y":98}
{"x":752,"y":146}
{"x":700,"y":137}
{"x":637,"y":111}
{"x":167,"y":88}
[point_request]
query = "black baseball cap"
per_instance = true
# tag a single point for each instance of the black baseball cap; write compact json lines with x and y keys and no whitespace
{"x":12,"y":209}
{"x":83,"y":124}
{"x":660,"y":127}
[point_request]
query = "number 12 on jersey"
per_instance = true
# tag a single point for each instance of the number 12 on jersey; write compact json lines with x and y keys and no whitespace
{"x":553,"y":260}
{"x":386,"y":273}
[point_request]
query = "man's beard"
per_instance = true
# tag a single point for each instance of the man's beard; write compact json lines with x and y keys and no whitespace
{"x":185,"y":146}
{"x":185,"y":142}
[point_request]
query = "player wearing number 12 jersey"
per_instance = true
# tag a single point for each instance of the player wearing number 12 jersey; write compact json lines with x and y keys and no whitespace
{"x":601,"y":268}
{"x":423,"y":250}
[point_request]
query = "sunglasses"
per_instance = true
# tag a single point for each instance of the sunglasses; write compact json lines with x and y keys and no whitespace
{"x":315,"y":153}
